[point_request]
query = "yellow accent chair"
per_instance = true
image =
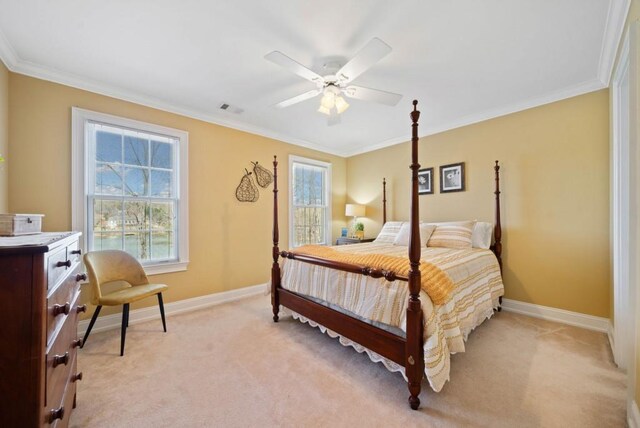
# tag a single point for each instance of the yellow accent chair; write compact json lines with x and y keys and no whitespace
{"x":117,"y":278}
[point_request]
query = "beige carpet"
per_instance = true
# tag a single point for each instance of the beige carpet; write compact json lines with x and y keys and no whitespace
{"x":230,"y":365}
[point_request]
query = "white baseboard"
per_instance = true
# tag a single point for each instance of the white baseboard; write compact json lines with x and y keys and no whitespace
{"x":633,"y":415}
{"x":576,"y":319}
{"x":112,"y":321}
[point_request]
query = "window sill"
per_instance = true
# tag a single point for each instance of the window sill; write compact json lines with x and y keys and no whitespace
{"x":161,"y":268}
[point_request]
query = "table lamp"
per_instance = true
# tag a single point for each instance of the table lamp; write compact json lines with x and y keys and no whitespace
{"x":356,"y":211}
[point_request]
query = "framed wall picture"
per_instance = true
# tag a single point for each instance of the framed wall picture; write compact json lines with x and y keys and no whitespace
{"x":425,"y":181}
{"x":452,"y":177}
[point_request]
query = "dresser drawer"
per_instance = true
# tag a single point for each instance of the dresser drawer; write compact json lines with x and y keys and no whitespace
{"x":74,"y":253}
{"x":59,"y":303}
{"x":61,"y":261}
{"x":61,"y":357}
{"x":57,"y":265}
{"x":59,"y":412}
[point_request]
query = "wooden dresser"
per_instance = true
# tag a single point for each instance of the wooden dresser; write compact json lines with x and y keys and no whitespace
{"x":39,"y":291}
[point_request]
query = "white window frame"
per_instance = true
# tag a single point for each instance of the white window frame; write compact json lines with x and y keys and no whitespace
{"x":80,"y":180}
{"x":313,"y":162}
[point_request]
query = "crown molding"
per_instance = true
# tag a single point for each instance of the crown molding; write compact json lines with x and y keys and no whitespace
{"x":562,"y":94}
{"x":74,"y":81}
{"x":614,"y":28}
{"x":17,"y":65}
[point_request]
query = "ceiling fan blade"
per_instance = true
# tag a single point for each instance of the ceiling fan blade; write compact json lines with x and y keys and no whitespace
{"x":298,"y":98}
{"x":373,"y":52}
{"x":334,"y":118}
{"x":374,"y":95}
{"x":295,"y":67}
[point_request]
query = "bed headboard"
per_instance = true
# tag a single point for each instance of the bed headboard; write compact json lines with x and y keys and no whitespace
{"x":497,"y":229}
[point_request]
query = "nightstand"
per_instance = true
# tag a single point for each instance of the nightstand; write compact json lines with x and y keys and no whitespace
{"x":347,"y":241}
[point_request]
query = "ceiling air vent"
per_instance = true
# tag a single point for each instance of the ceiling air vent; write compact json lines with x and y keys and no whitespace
{"x":230,"y":108}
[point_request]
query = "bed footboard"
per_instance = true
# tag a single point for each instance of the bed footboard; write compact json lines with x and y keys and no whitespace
{"x":407,"y":352}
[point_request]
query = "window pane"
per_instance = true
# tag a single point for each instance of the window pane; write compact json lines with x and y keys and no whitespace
{"x":308,"y":185}
{"x":309,"y":225}
{"x":133,"y":204}
{"x":136,"y":215}
{"x":162,"y":216}
{"x":107,"y":241}
{"x":136,"y":181}
{"x":136,"y":151}
{"x":108,"y":147}
{"x":107,"y":215}
{"x":108,"y":179}
{"x":162,"y":245}
{"x":137,"y":244}
{"x":161,"y":156}
{"x":161,"y":184}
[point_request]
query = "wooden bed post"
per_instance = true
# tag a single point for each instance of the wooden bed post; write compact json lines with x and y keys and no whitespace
{"x":275,"y":267}
{"x":497,"y":232}
{"x":384,"y":201}
{"x":414,"y":364}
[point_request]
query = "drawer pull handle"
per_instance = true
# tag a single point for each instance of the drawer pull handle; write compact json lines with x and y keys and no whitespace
{"x":78,"y":252}
{"x":82,"y":308}
{"x":76,"y":343}
{"x":56,"y":414}
{"x":76,"y":377}
{"x":61,"y":309}
{"x":66,"y":263}
{"x":61,"y":359}
{"x":81,"y":277}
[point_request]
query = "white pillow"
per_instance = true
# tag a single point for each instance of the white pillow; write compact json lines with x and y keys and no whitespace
{"x":405,"y":232}
{"x":481,"y":236}
{"x":389,"y":232}
{"x":452,"y":235}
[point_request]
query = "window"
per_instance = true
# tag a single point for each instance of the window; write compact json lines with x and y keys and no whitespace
{"x":130,"y":190}
{"x":310,"y":203}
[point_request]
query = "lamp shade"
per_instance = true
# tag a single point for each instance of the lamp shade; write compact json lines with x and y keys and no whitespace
{"x":354,"y":210}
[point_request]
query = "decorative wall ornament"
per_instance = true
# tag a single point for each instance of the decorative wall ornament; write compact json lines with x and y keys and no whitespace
{"x":425,"y":181}
{"x":246,"y":190}
{"x":452,"y":177}
{"x":263,"y":176}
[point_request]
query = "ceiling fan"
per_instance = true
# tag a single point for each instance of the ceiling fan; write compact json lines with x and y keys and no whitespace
{"x":337,"y":82}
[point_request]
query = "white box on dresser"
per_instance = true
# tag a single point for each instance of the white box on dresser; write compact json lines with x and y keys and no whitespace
{"x":20,"y":224}
{"x":39,"y":300}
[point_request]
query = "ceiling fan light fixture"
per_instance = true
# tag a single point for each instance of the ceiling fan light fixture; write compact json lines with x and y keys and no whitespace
{"x":328,"y":100}
{"x":341,"y":105}
{"x":324,"y":110}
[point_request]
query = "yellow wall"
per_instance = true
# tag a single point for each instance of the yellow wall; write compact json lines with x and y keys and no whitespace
{"x":4,"y":137}
{"x":555,"y":200}
{"x":230,"y":242}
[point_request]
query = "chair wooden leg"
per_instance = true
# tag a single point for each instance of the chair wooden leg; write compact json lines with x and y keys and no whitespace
{"x":91,"y":323}
{"x":161,"y":304}
{"x":125,"y":323}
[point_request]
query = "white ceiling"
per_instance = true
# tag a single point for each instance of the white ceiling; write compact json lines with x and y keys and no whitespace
{"x":465,"y":60}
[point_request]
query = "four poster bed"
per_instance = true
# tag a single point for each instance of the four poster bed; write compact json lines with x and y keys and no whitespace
{"x":358,"y":292}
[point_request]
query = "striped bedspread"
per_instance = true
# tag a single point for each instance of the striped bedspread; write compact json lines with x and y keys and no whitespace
{"x":478,"y":284}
